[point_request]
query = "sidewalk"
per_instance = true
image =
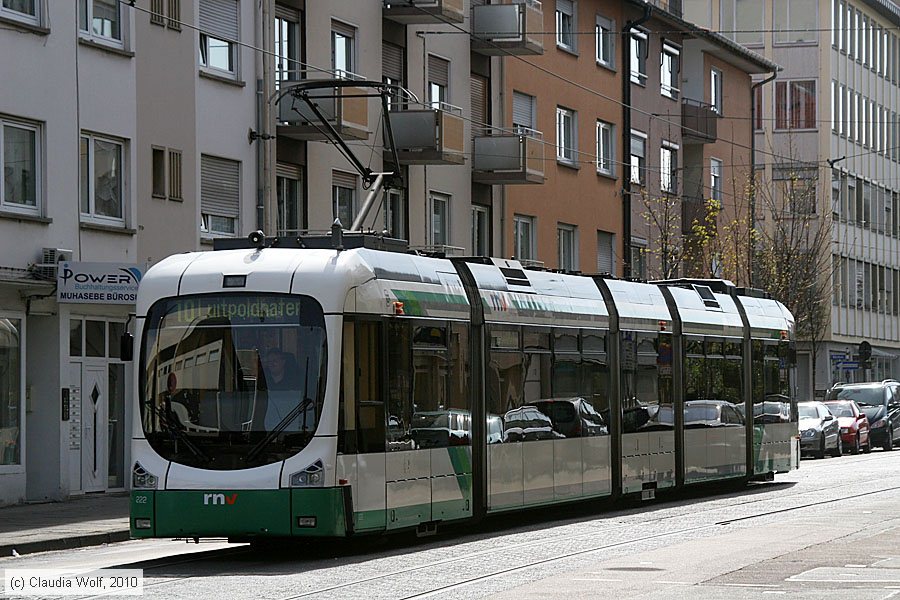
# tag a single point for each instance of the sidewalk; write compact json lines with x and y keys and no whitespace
{"x":81,"y":521}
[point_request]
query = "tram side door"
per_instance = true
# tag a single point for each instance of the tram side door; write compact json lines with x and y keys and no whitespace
{"x":94,"y":409}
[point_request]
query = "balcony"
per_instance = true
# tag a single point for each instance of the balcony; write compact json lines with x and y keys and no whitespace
{"x":508,"y":157}
{"x":346,"y":109}
{"x":673,"y":7}
{"x":429,"y":136}
{"x":699,"y":122}
{"x":424,"y":11}
{"x":510,"y":28}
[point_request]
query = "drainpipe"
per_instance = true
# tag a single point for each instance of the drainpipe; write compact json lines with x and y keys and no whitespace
{"x":753,"y":166}
{"x":626,"y":135}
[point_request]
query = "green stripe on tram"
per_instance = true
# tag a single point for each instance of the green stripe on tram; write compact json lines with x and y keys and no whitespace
{"x":416,"y":303}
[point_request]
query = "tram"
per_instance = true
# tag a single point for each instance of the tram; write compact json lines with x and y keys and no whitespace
{"x":342,"y":386}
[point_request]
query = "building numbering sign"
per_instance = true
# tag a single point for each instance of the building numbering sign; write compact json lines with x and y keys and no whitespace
{"x":97,"y":283}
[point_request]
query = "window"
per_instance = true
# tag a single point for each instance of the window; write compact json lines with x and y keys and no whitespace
{"x":343,"y":197}
{"x":439,"y":229}
{"x":287,"y":44}
{"x":742,"y":21}
{"x":565,"y":134}
{"x":159,"y":10}
{"x":669,"y":71}
{"x":523,"y":237}
{"x":481,"y":231}
{"x":567,"y":245}
{"x":20,"y":157}
{"x":638,"y":157}
{"x":565,"y":24}
{"x":715,"y":179}
{"x":101,"y":179}
{"x":523,"y":111}
{"x":639,"y":258}
{"x":395,"y":214}
{"x":288,"y":197}
{"x":21,"y":10}
{"x":343,"y":59}
{"x":438,"y":81}
{"x":220,"y":196}
{"x":715,"y":90}
{"x":100,"y":19}
{"x":606,"y":252}
{"x":605,"y":147}
{"x":605,"y":38}
{"x":668,"y":168}
{"x":220,"y":29}
{"x":699,"y":12}
{"x":795,"y":104}
{"x":392,"y":72}
{"x":166,"y":174}
{"x":796,"y":21}
{"x":639,"y":48}
{"x":11,"y":414}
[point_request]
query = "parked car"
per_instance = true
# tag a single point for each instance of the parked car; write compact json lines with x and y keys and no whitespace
{"x":441,"y":428}
{"x":573,"y":417}
{"x":819,"y":430}
{"x":527,"y":423}
{"x":854,"y":425}
{"x":712,"y":413}
{"x":880,"y":401}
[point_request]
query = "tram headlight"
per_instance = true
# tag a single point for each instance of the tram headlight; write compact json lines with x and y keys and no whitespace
{"x":311,"y":476}
{"x":142,"y":479}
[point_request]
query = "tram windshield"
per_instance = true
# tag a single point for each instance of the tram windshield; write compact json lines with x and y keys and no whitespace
{"x":232,"y":381}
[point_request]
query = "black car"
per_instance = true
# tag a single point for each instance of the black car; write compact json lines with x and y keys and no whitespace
{"x":880,"y":400}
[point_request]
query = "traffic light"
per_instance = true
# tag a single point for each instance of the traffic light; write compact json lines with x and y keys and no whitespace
{"x":865,"y":351}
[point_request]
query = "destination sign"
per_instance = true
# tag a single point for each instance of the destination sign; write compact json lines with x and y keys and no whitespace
{"x":252,"y":308}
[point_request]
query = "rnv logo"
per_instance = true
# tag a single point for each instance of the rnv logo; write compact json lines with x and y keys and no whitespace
{"x":219,"y":499}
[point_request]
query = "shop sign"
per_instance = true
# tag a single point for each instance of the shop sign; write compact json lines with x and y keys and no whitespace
{"x":97,"y":283}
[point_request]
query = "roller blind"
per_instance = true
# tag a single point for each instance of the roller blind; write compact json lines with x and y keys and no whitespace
{"x":219,"y":18}
{"x":220,"y":189}
{"x":392,"y":61}
{"x":438,"y":71}
{"x":343,"y":29}
{"x":605,"y":260}
{"x":523,"y":110}
{"x":342,"y":179}
{"x":479,"y":91}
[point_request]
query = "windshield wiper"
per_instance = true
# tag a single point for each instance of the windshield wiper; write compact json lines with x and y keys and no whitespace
{"x":179,"y":434}
{"x":281,"y":426}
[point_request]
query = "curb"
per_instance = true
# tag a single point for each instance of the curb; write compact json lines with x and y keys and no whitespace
{"x":67,"y":543}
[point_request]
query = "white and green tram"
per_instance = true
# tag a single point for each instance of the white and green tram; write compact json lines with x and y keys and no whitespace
{"x":296,"y":389}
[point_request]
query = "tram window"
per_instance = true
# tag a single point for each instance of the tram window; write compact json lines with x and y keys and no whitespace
{"x":537,"y":376}
{"x":694,"y":370}
{"x":714,"y":347}
{"x":715,"y":369}
{"x":459,"y":366}
{"x":565,"y":340}
{"x":733,"y":349}
{"x":347,"y":442}
{"x":733,"y":373}
{"x":536,"y":339}
{"x":430,"y":336}
{"x":505,"y":382}
{"x":595,"y":382}
{"x":647,"y":381}
{"x":399,"y":382}
{"x":566,"y":375}
{"x":506,"y":338}
{"x":369,"y":403}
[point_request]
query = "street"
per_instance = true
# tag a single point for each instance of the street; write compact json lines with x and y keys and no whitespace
{"x":829,"y":530}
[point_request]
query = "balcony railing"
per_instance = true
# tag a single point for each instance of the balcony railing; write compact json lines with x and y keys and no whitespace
{"x":424,"y":11}
{"x":346,"y":109}
{"x":699,"y":122}
{"x":509,"y":28}
{"x":429,"y":136}
{"x":508,"y":157}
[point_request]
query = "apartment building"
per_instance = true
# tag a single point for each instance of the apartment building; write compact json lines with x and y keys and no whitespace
{"x":830,"y":119}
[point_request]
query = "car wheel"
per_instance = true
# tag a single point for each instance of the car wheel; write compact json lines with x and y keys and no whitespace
{"x":839,"y":447}
{"x":889,"y":442}
{"x":856,"y":447}
{"x":820,"y":453}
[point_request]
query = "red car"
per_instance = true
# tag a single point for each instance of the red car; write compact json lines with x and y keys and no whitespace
{"x":854,"y":425}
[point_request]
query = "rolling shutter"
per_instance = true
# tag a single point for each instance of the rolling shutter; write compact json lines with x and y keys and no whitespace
{"x":392,"y":61}
{"x":219,"y":18}
{"x":438,"y":71}
{"x":523,"y":110}
{"x":348,"y":31}
{"x":605,"y":253}
{"x":479,"y":91}
{"x":342,"y":179}
{"x":220,"y":189}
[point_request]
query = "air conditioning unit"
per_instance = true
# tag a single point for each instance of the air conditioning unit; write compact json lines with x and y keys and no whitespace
{"x":50,"y":259}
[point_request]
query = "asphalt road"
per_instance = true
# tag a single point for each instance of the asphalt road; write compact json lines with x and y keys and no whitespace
{"x":829,"y":530}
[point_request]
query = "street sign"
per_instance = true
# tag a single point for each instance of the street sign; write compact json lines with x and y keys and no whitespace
{"x":848,"y":365}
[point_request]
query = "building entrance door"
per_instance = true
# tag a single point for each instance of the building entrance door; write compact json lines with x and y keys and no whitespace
{"x":94,"y":411}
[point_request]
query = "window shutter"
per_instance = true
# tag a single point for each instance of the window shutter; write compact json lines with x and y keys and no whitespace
{"x":565,"y":6}
{"x":175,"y":14}
{"x":523,"y":110}
{"x":289,"y":171}
{"x":219,"y":18}
{"x":479,"y":90}
{"x":438,"y":71}
{"x":220,"y":190}
{"x":342,"y":179}
{"x":637,"y":145}
{"x":605,"y":253}
{"x":392,"y":61}
{"x":156,"y":12}
{"x":175,"y":174}
{"x":343,"y":29}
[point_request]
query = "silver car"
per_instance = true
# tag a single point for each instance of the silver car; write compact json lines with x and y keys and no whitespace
{"x":819,"y":430}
